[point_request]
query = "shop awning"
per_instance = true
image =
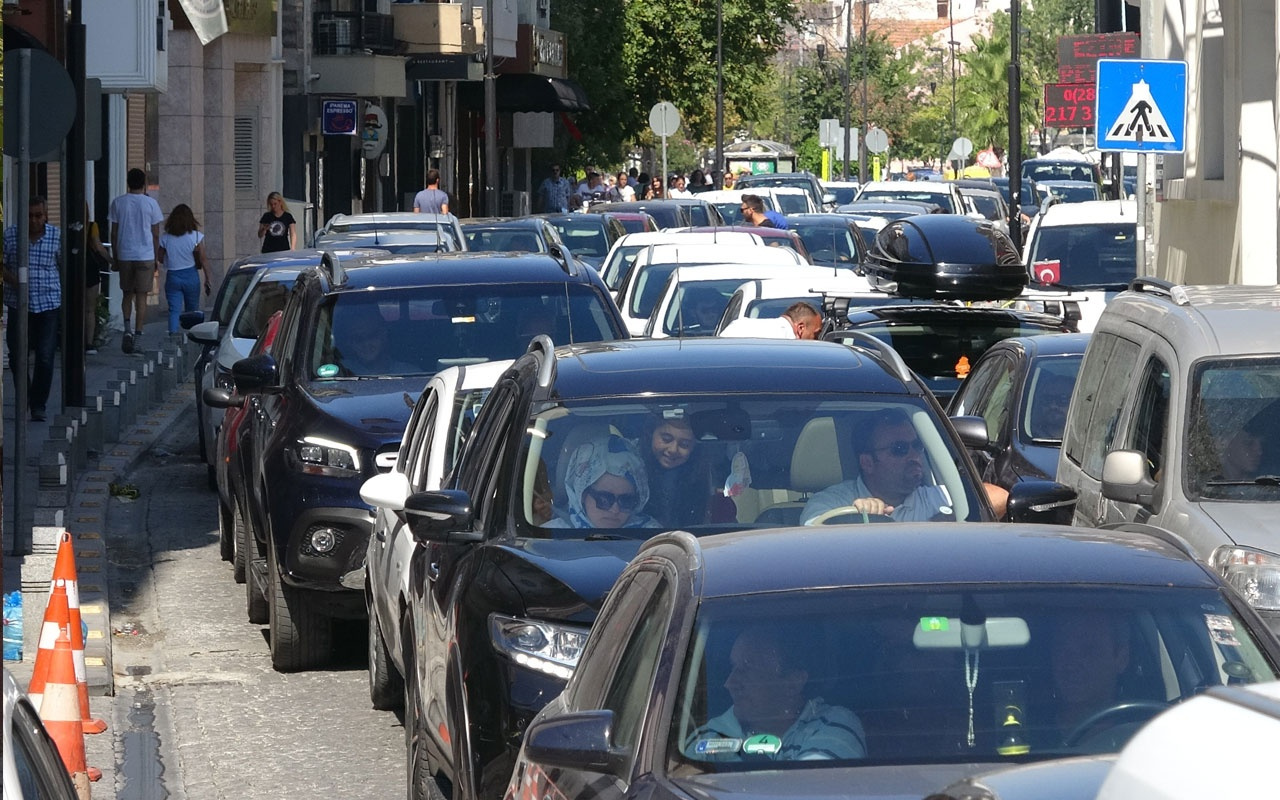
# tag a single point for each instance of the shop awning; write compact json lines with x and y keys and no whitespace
{"x":526,"y":93}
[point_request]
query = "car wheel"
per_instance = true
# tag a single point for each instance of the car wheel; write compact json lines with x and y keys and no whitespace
{"x":422,"y":784}
{"x":226,"y":533}
{"x":301,"y":636}
{"x":243,"y":547}
{"x":385,"y":691}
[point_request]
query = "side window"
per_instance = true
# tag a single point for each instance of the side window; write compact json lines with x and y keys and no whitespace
{"x":420,"y":455}
{"x":996,"y":406}
{"x":485,"y":473}
{"x":412,"y":432}
{"x":1151,"y":417}
{"x":628,"y":693}
{"x":287,"y":336}
{"x":1108,"y":401}
{"x":976,"y":395}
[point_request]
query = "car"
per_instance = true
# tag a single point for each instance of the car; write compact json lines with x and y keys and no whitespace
{"x":617,"y":263}
{"x":943,"y":194}
{"x":228,"y":334}
{"x":694,"y":298}
{"x":729,"y":203}
{"x":983,"y":199}
{"x":1066,"y":191}
{"x":230,"y":472}
{"x":772,"y":237}
{"x":438,"y":427}
{"x":832,"y":240}
{"x":511,"y":235}
{"x":1027,"y":200}
{"x":889,"y":209}
{"x":676,"y":212}
{"x":877,"y":661}
{"x":642,"y":286}
{"x":1063,"y":164}
{"x":400,"y":242}
{"x":822,"y":199}
{"x":1167,"y":758}
{"x":789,"y":199}
{"x":330,"y":410}
{"x":1081,"y":252}
{"x":588,"y":236}
{"x":393,"y":221}
{"x":769,"y":297}
{"x":1021,"y":386}
{"x":636,"y":221}
{"x":843,"y":190}
{"x":1173,"y":423}
{"x":700,"y":212}
{"x":939,"y":341}
{"x":33,"y":768}
{"x":506,"y":585}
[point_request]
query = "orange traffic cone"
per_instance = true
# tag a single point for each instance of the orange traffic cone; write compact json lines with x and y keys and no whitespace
{"x":56,"y":622}
{"x":64,"y":569}
{"x":60,"y":711}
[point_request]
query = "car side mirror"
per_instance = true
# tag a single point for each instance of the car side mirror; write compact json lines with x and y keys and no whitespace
{"x":255,"y":374}
{"x":388,"y":490}
{"x":1043,"y":502}
{"x":206,"y":333}
{"x":217,"y":397}
{"x":1126,"y":478}
{"x":973,"y":431}
{"x":575,"y":741}
{"x":443,"y":515}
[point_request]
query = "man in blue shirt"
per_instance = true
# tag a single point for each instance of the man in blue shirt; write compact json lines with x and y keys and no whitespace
{"x":554,"y":191}
{"x":44,"y":286}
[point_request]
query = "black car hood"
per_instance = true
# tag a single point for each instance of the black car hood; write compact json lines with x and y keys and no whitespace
{"x":897,"y":782}
{"x":564,"y":578}
{"x":378,"y":407}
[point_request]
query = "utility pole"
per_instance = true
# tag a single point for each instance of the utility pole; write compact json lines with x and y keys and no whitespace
{"x":862,"y":140}
{"x":848,"y":95}
{"x":717,"y":172}
{"x":1014,"y":156}
{"x":490,"y":118}
{"x":74,"y":223}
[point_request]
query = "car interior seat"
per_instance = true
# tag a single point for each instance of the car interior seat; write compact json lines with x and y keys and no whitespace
{"x":815,"y":465}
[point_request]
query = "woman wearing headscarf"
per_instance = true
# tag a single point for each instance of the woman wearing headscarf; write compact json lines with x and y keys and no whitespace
{"x":606,"y":486}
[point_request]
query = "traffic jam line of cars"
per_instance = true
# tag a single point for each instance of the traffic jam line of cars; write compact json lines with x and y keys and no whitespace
{"x":595,"y":564}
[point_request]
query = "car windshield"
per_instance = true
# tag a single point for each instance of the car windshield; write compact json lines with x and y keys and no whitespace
{"x":1048,"y":393}
{"x":618,"y":264}
{"x":583,"y":238}
{"x":504,"y":240}
{"x":987,"y":205}
{"x":696,"y":307}
{"x":267,"y":297}
{"x":942,"y":199}
{"x":1067,"y":194}
{"x":844,"y":194}
{"x":731,"y":211}
{"x":827,"y":244}
{"x":1101,"y":255}
{"x":944,"y":674}
{"x":650,"y":278}
{"x":1057,"y":171}
{"x":232,"y":292}
{"x":792,"y":203}
{"x":422,"y":330}
{"x":699,"y":216}
{"x":1232,"y":430}
{"x":629,"y":467}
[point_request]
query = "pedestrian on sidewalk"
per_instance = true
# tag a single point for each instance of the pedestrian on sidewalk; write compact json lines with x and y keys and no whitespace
{"x":44,"y":286}
{"x":97,"y":260}
{"x":135,"y":219}
{"x":182,"y":256}
{"x":431,"y":200}
{"x":276,"y":227}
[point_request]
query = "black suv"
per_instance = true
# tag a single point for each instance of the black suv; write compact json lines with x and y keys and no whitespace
{"x":356,"y":344}
{"x":583,"y":452}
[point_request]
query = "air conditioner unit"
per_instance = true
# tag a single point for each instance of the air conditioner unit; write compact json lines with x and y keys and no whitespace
{"x":514,"y":204}
{"x":334,"y":37}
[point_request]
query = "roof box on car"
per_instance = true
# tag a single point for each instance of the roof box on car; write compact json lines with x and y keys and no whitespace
{"x":945,"y":257}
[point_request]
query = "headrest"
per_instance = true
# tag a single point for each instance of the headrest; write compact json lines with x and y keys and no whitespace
{"x":815,"y":463}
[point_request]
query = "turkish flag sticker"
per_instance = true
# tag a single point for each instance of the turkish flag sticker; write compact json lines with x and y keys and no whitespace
{"x":1047,"y":271}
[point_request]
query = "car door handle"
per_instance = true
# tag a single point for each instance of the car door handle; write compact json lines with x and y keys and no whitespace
{"x":433,"y":571}
{"x":380,"y":533}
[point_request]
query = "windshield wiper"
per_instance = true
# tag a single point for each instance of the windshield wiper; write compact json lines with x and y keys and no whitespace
{"x":1261,"y":480}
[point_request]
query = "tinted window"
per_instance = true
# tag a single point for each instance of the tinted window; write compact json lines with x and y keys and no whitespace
{"x":229,"y":296}
{"x":620,"y":260}
{"x":1097,"y":255}
{"x":1100,"y":393}
{"x":649,"y":283}
{"x":583,"y":237}
{"x":696,"y":307}
{"x":826,"y":243}
{"x":937,"y":198}
{"x":1047,"y":398}
{"x":504,"y":240}
{"x":1233,"y":430}
{"x":793,"y":203}
{"x":267,"y":297}
{"x":631,"y":684}
{"x":1151,"y":416}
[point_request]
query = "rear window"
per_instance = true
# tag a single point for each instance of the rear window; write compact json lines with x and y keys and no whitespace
{"x":583,"y":238}
{"x":1102,"y":255}
{"x":937,"y":198}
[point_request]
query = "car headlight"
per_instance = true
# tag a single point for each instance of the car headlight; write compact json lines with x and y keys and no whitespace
{"x":1255,"y":574}
{"x":545,"y":647}
{"x":316,"y":456}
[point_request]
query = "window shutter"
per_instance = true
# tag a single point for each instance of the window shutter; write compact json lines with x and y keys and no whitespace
{"x":246,"y":155}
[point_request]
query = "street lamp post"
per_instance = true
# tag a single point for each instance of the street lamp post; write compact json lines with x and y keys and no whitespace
{"x":862,"y":140}
{"x":1014,"y":159}
{"x":933,"y":86}
{"x":717,"y":171}
{"x":848,"y":97}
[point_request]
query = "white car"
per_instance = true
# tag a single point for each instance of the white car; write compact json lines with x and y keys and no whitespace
{"x":433,"y":439}
{"x":642,"y":286}
{"x":1084,"y":253}
{"x":769,"y":297}
{"x":393,"y":221}
{"x":694,"y":297}
{"x":623,"y":253}
{"x":940,"y":193}
{"x":788,"y":199}
{"x":33,"y":770}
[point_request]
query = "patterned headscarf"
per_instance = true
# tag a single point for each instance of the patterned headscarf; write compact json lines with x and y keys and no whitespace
{"x":589,"y":461}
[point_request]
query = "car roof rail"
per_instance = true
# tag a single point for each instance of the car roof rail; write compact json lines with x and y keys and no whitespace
{"x":543,"y":346}
{"x":1159,"y":286}
{"x":1156,"y":532}
{"x":861,"y":340}
{"x":685,"y":541}
{"x":330,"y":262}
{"x":562,"y":256}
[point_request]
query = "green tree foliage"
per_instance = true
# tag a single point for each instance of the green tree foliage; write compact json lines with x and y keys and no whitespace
{"x":983,"y":92}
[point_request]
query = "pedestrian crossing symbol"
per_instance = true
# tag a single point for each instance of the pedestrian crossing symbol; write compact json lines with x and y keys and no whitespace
{"x":1142,"y":105}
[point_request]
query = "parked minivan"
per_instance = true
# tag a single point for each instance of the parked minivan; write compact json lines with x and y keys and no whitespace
{"x":1175,"y":422}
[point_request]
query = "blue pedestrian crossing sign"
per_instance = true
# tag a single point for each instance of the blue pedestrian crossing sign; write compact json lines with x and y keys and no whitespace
{"x":1142,"y":105}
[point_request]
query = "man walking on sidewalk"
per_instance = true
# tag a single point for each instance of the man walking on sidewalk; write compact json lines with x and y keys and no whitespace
{"x":135,"y":246}
{"x":44,"y":283}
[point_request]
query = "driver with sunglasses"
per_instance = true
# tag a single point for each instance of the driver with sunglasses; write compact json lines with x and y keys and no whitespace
{"x":891,"y":483}
{"x":606,"y":486}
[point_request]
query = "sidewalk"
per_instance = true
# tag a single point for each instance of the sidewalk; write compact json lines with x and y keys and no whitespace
{"x":71,"y":462}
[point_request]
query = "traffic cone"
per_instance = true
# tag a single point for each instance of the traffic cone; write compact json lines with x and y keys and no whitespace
{"x":60,"y":712}
{"x":64,"y":570}
{"x":57,"y":619}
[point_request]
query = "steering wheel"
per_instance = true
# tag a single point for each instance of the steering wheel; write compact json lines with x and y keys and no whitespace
{"x":1142,"y":709}
{"x":851,"y":512}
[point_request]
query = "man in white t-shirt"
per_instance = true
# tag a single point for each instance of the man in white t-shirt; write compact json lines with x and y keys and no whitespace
{"x":799,"y":321}
{"x":135,"y":219}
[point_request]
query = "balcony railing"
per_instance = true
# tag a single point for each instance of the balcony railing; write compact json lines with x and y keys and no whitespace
{"x":340,"y":33}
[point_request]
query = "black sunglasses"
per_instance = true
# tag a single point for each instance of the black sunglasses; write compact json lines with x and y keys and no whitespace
{"x":900,"y":449}
{"x":607,"y":500}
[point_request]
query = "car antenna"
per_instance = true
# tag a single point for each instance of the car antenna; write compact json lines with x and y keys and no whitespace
{"x":439,"y":234}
